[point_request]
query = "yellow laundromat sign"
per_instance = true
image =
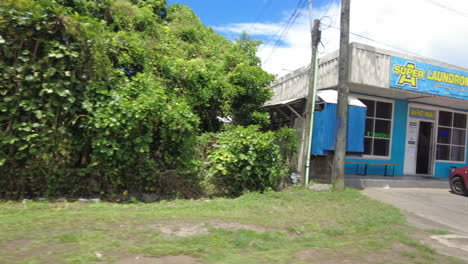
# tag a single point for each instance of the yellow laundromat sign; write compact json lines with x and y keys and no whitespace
{"x":408,"y":74}
{"x":428,"y":78}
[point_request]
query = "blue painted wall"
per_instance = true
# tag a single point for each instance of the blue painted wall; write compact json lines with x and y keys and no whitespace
{"x":324,"y":130}
{"x":442,"y":169}
{"x":397,"y":154}
{"x":324,"y":133}
{"x":324,"y":139}
{"x":356,"y":129}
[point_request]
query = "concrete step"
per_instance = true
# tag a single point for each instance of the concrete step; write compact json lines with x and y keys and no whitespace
{"x":362,"y":182}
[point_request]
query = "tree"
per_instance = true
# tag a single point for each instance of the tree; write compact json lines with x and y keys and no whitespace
{"x":101,"y":97}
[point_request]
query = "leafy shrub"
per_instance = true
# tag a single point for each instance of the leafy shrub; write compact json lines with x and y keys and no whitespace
{"x":244,"y":159}
{"x":106,"y":97}
{"x":287,"y":140}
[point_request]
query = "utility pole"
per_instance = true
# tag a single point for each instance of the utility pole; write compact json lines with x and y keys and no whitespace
{"x":310,"y":103}
{"x":342,"y":108}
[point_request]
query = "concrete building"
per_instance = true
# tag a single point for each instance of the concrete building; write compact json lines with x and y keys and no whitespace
{"x":416,"y":116}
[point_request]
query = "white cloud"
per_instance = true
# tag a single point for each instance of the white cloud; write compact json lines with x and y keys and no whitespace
{"x":419,"y":26}
{"x":252,"y":29}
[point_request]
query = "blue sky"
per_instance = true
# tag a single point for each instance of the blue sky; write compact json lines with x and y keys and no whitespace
{"x":437,"y":29}
{"x":218,"y":12}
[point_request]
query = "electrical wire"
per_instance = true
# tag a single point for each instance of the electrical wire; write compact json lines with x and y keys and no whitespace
{"x":285,"y":30}
{"x":301,"y":4}
{"x":433,"y":2}
{"x":328,"y":9}
{"x":325,"y":15}
{"x":285,"y":26}
{"x":328,"y":25}
{"x":260,"y":14}
{"x":385,"y":44}
{"x":463,"y":14}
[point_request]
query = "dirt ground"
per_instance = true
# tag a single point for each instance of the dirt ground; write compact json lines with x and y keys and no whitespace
{"x":399,"y":253}
{"x":140,"y":259}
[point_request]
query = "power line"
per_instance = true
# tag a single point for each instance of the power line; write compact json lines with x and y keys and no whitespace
{"x":388,"y":45}
{"x":433,"y":2}
{"x":447,"y":8}
{"x":285,"y":30}
{"x":286,"y":24}
{"x":284,"y":33}
{"x":383,"y":43}
{"x":325,"y":15}
{"x":260,"y":14}
{"x":328,"y":9}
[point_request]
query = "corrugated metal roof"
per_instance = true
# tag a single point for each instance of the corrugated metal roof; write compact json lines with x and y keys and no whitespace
{"x":269,"y":103}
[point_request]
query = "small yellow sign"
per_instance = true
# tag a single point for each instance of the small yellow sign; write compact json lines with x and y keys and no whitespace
{"x":422,"y":113}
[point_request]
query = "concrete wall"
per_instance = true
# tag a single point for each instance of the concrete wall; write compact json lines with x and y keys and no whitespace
{"x":320,"y":169}
{"x":295,"y":84}
{"x":370,"y":67}
{"x":291,"y":86}
{"x":328,"y":71}
{"x":299,"y":127}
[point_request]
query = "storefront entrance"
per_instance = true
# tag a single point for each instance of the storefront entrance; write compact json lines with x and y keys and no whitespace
{"x":424,"y":148}
{"x":419,"y":150}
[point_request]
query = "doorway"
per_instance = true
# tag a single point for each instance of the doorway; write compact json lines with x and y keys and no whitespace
{"x":424,"y":148}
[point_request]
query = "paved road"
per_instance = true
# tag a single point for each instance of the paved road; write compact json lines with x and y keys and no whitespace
{"x":432,"y":209}
{"x":427,"y":208}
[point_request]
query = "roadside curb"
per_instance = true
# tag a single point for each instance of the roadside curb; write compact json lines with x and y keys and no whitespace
{"x":390,"y":183}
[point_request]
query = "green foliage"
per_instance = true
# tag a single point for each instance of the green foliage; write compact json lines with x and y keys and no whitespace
{"x":245,"y":159}
{"x":288,"y":141}
{"x":102,"y":97}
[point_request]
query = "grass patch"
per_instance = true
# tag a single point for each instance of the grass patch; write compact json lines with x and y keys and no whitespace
{"x":274,"y":227}
{"x":438,"y":232}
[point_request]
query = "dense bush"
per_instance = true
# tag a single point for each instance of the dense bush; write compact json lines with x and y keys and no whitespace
{"x":244,"y":159}
{"x":287,"y":140}
{"x":103,"y":97}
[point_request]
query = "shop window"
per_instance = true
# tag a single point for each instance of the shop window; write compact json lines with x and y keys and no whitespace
{"x":378,"y":128}
{"x":451,"y":136}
